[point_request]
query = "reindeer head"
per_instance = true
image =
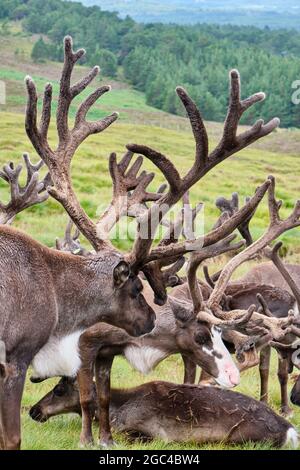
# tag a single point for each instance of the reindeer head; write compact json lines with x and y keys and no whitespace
{"x":63,"y":398}
{"x":201,"y":340}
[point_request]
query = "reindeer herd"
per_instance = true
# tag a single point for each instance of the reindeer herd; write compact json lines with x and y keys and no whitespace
{"x":67,"y":312}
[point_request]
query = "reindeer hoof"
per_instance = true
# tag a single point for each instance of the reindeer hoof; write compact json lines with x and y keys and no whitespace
{"x":86,"y":442}
{"x":106,"y":443}
{"x":286,"y":412}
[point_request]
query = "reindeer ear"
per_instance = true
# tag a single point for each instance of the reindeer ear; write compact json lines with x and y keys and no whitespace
{"x":183,"y":311}
{"x":121,"y":273}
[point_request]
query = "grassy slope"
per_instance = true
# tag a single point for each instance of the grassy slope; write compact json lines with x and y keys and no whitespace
{"x":276,"y":155}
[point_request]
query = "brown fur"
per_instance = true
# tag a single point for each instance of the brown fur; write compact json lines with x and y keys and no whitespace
{"x":181,"y":413}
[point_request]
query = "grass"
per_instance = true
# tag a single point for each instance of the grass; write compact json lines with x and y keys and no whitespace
{"x":277,"y":154}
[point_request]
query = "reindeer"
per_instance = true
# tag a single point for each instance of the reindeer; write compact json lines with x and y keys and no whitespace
{"x":74,"y":292}
{"x":177,"y":413}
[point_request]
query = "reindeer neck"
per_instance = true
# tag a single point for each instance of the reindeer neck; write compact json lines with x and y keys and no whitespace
{"x":147,"y":351}
{"x":82,"y":288}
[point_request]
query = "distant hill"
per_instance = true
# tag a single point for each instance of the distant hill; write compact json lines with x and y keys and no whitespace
{"x":275,"y":14}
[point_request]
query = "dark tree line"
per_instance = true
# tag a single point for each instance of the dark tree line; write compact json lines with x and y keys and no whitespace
{"x":155,"y":57}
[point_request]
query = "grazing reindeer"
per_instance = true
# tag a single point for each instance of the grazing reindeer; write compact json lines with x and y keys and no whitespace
{"x":100,"y":343}
{"x":177,"y":413}
{"x":74,"y":292}
{"x":174,"y":332}
{"x":287,"y":353}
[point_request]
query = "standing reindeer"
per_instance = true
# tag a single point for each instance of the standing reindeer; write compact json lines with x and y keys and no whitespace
{"x":42,"y":326}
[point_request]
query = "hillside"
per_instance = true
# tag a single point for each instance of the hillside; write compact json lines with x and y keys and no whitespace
{"x":155,"y":58}
{"x":276,"y":14}
{"x":140,"y":123}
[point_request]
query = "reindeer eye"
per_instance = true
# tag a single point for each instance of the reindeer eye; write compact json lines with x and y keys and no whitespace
{"x":137,"y":287}
{"x":58,"y":391}
{"x":217,"y":329}
{"x":201,"y":339}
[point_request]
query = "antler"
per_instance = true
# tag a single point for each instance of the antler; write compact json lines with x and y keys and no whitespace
{"x":276,"y":228}
{"x":228,"y":207}
{"x":215,"y":235}
{"x":204,"y":161}
{"x":160,"y":279}
{"x":273,"y":254}
{"x":58,"y":161}
{"x":129,"y":192}
{"x":26,"y":196}
{"x":70,"y":242}
{"x":199,"y":306}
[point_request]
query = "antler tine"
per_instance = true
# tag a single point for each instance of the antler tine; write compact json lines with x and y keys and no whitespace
{"x":232,"y":320}
{"x":58,"y":161}
{"x":230,"y":141}
{"x":70,"y":242}
{"x":199,"y":131}
{"x":170,"y":275}
{"x":190,"y":215}
{"x":22,"y":197}
{"x":263,"y":306}
{"x":273,"y":254}
{"x":159,"y":280}
{"x":82,"y":128}
{"x":207,"y":277}
{"x":276,"y":228}
{"x":228,"y":207}
{"x":197,"y":258}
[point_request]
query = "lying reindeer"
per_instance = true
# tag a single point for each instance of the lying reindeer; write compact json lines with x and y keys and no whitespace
{"x":177,"y":413}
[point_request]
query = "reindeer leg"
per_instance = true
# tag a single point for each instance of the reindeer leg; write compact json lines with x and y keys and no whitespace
{"x":11,"y":390}
{"x":102,"y":372}
{"x":189,"y":370}
{"x":283,"y":376}
{"x":264,"y":369}
{"x":85,"y":381}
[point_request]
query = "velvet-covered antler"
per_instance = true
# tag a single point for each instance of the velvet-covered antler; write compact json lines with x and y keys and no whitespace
{"x":204,"y":161}
{"x":22,"y":197}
